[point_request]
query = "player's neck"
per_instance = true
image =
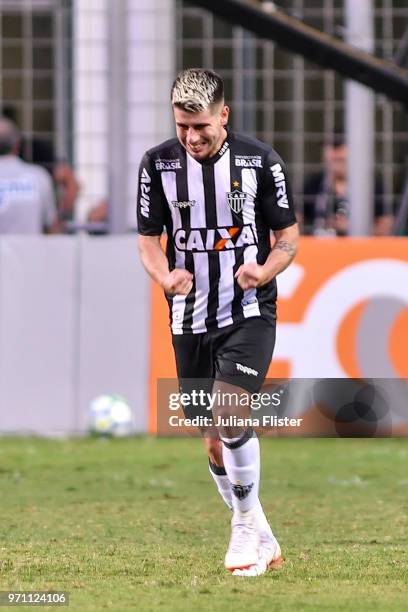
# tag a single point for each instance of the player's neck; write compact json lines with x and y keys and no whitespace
{"x":220,"y":143}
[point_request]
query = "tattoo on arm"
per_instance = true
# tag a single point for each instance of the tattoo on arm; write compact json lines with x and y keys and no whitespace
{"x":286,"y":246}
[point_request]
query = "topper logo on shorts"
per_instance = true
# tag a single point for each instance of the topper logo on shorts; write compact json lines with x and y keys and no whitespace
{"x":219,"y":239}
{"x":280,"y":184}
{"x":145,"y":181}
{"x":246,"y":370}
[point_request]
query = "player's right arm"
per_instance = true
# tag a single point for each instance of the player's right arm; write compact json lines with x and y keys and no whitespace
{"x":176,"y":282}
{"x":151,"y":220}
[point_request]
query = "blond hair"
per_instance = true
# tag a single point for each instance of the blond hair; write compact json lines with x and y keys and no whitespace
{"x":196,"y":89}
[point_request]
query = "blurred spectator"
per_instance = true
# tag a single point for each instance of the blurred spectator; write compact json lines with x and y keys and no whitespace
{"x":27,"y":198}
{"x":67,"y":187}
{"x":97,"y":220}
{"x":40,"y":151}
{"x":99,"y":213}
{"x":326,"y":206}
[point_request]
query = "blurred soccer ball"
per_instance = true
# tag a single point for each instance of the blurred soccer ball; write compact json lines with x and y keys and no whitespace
{"x":110,"y":415}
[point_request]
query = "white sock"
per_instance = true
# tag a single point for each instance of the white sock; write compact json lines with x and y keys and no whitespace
{"x":261,"y":520}
{"x":242,"y":464}
{"x":222,"y":481}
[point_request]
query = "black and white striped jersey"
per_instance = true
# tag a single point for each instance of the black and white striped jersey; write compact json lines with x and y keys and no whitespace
{"x":218,"y":213}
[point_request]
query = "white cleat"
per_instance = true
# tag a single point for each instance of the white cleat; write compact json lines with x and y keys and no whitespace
{"x":255,"y":570}
{"x":270,"y":556}
{"x":244,"y":547}
{"x":270,"y":549}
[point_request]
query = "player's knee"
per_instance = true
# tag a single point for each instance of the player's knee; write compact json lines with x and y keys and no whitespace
{"x":214,"y":450}
{"x":223,"y":412}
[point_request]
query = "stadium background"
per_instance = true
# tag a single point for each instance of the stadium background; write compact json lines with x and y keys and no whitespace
{"x":78,"y":316}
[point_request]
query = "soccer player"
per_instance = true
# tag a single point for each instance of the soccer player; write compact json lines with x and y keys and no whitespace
{"x":218,"y":194}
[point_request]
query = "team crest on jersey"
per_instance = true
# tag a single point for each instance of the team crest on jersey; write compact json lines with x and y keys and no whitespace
{"x":236,"y":200}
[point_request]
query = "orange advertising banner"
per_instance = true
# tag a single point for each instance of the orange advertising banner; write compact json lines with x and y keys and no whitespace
{"x":342,"y":313}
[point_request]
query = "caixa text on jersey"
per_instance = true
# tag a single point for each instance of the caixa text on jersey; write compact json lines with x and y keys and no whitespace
{"x":218,"y":239}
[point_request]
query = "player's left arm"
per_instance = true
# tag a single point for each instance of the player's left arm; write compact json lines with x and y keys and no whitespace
{"x":252,"y":275}
{"x":277,"y":208}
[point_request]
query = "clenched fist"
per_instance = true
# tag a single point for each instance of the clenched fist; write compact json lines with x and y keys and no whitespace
{"x":250,"y":276}
{"x":178,"y":282}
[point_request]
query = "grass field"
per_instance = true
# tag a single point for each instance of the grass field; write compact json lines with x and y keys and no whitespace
{"x":137,"y":524}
